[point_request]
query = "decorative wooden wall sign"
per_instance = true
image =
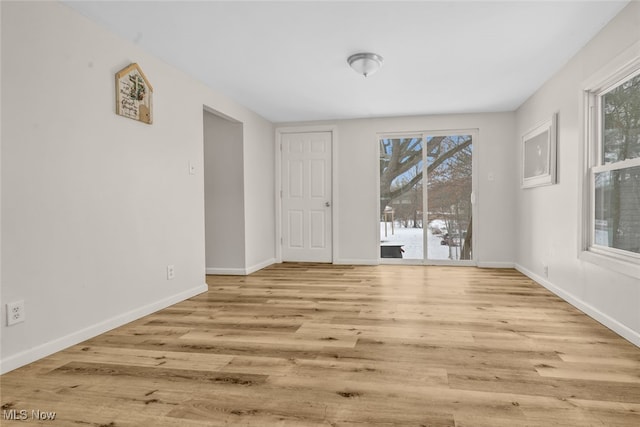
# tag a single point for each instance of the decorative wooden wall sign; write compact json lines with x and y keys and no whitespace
{"x":134,"y":94}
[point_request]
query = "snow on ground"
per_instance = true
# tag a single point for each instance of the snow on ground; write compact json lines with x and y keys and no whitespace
{"x":411,"y":239}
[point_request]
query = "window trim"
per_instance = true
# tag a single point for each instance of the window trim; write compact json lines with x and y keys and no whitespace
{"x":621,"y":68}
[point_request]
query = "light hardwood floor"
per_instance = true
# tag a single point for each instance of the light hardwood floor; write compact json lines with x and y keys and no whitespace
{"x":325,"y":345}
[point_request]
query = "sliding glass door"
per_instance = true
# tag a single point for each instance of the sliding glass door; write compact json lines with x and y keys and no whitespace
{"x":401,"y":197}
{"x":426,"y":210}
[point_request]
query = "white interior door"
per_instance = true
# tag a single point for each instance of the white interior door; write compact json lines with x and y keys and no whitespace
{"x":306,"y":196}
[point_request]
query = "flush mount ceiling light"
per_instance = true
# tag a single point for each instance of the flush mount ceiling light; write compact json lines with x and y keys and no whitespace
{"x":365,"y":63}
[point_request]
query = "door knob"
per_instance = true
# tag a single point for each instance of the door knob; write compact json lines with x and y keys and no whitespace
{"x":327,"y":204}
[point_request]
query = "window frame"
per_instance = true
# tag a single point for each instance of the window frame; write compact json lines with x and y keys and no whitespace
{"x":624,"y":67}
{"x":594,"y":247}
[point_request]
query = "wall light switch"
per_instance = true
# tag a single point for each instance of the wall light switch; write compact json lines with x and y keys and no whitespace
{"x":192,"y":168}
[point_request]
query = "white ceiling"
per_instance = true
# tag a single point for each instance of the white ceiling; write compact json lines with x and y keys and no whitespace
{"x":287,"y":60}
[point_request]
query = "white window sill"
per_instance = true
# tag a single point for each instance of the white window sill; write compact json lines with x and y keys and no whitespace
{"x":619,"y":266}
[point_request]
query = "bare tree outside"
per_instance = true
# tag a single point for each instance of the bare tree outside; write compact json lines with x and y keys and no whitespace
{"x":449,"y":180}
{"x":449,"y":190}
{"x":618,"y":191}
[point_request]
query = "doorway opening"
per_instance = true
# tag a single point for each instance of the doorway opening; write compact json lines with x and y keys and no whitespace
{"x":223,"y":194}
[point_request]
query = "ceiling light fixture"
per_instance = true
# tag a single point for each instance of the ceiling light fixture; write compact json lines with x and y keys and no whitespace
{"x":365,"y":63}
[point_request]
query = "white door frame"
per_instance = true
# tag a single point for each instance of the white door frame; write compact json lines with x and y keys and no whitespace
{"x":475,"y":135}
{"x":334,"y":183}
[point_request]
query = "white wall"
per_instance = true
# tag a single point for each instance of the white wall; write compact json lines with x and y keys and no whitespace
{"x":94,"y":205}
{"x":548,"y":216}
{"x":357,"y":195}
{"x":259,"y":196}
{"x":223,"y":195}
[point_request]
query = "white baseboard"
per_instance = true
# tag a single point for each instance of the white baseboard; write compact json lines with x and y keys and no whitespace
{"x":489,"y":264}
{"x":240,"y":271}
{"x":260,"y":265}
{"x":611,"y":323}
{"x":227,"y":271}
{"x":23,"y":358}
{"x":347,"y":261}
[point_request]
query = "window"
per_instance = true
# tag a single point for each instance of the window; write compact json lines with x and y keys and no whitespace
{"x":613,"y":134}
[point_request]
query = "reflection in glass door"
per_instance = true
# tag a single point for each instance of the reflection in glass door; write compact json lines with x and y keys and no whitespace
{"x":426,"y":218}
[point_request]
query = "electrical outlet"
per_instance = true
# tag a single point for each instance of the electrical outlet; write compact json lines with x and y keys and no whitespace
{"x":171,"y":272}
{"x":546,"y":271}
{"x":15,"y":312}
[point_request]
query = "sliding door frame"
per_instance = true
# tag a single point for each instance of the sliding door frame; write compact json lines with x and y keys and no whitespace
{"x":474,"y":197}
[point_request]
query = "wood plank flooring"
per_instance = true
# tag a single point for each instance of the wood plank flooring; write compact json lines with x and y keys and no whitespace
{"x":327,"y":345}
